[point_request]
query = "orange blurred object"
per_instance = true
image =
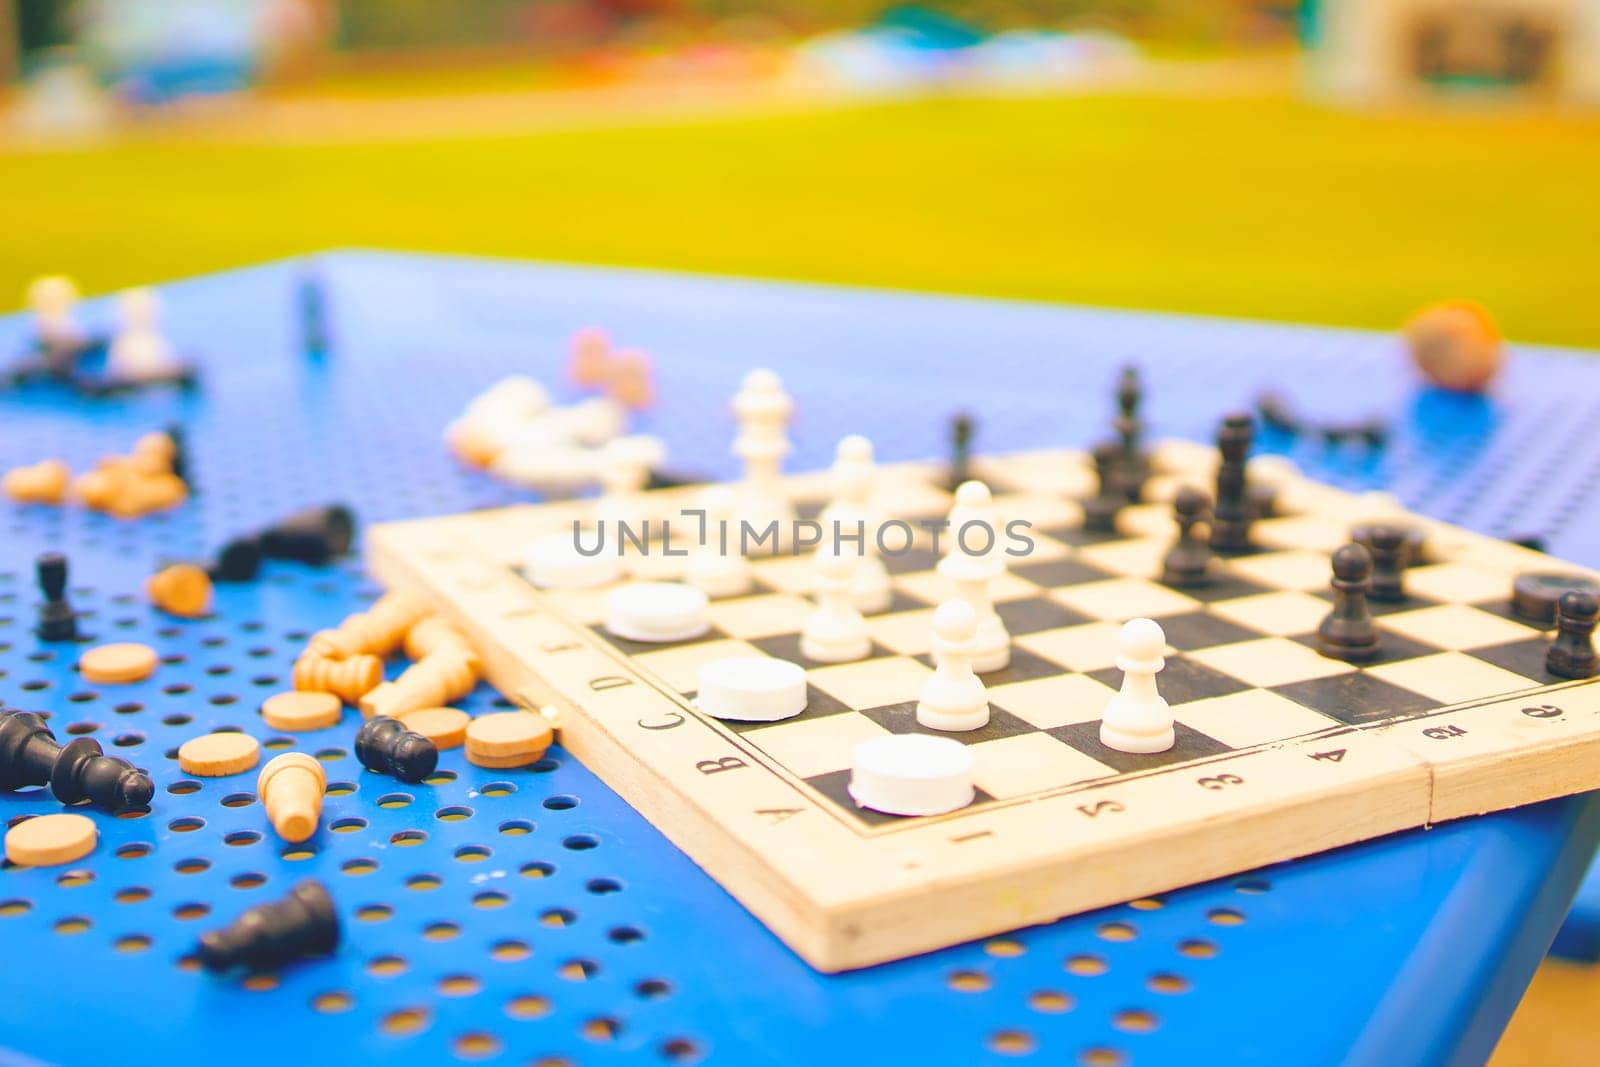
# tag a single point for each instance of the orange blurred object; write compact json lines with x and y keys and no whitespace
{"x":1456,"y":345}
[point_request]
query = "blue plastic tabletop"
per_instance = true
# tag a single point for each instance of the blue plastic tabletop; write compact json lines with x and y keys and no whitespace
{"x":530,"y":916}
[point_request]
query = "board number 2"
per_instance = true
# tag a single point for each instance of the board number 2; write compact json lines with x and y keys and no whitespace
{"x":1542,"y":711}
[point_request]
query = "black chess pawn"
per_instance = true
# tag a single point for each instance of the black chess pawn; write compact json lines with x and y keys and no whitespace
{"x":268,"y":935}
{"x":1188,"y":563}
{"x":1389,"y":546}
{"x":57,"y":620}
{"x":1348,"y":632}
{"x":962,"y":429}
{"x":313,"y":536}
{"x":237,"y":561}
{"x":1100,"y":510}
{"x":1233,"y":513}
{"x":30,"y":755}
{"x":180,"y":453}
{"x":1572,"y":653}
{"x":384,"y":745}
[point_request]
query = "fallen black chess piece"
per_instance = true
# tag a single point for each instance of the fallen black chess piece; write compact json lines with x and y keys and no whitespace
{"x":1279,"y":415}
{"x":302,"y":924}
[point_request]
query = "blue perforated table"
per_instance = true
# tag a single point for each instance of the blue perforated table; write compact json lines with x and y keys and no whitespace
{"x":530,"y":916}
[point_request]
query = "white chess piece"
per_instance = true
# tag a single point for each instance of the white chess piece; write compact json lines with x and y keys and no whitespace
{"x":854,"y":476}
{"x":718,"y":567}
{"x":1137,"y":718}
{"x":622,"y":511}
{"x":139,"y":352}
{"x":834,"y":632}
{"x":953,"y":698}
{"x":53,"y":299}
{"x":973,"y":510}
{"x":972,"y":577}
{"x":763,"y":410}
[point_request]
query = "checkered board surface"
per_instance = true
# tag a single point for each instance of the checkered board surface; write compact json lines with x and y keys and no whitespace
{"x":1280,"y":751}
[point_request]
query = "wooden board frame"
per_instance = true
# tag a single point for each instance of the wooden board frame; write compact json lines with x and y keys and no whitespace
{"x":846,"y":895}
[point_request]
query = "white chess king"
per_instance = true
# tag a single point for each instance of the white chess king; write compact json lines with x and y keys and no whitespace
{"x":1137,"y":718}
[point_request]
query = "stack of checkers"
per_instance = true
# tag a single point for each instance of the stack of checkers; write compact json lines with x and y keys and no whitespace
{"x":507,"y":739}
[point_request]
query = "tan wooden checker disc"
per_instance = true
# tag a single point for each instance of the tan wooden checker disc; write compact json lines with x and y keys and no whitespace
{"x":507,"y":735}
{"x":445,"y":727}
{"x":219,"y":755}
{"x":300,"y":710}
{"x":118,"y":664}
{"x":48,"y":840}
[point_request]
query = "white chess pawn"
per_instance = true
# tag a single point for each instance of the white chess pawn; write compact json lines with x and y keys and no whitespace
{"x":622,"y":510}
{"x":972,"y":577}
{"x":973,"y":510}
{"x":1137,"y":718}
{"x":139,"y":351}
{"x":953,"y":698}
{"x":53,"y":299}
{"x":762,"y":409}
{"x":717,"y":567}
{"x":854,"y":476}
{"x":834,"y":632}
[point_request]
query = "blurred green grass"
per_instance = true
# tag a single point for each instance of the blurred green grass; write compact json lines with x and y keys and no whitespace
{"x":1260,"y":206}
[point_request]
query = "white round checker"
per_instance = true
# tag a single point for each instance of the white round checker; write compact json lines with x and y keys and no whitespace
{"x":752,"y":689}
{"x":912,"y":774}
{"x":554,"y":562}
{"x":657,"y":612}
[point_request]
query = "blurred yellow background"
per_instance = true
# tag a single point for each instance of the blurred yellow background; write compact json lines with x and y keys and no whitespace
{"x":1196,"y":177}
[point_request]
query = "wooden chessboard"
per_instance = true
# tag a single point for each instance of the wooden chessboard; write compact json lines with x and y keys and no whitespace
{"x":1280,"y":751}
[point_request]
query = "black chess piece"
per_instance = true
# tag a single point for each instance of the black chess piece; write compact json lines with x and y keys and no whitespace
{"x":57,"y":620}
{"x":1572,"y":653}
{"x":1100,"y":510}
{"x":1233,"y":513}
{"x":315,"y":535}
{"x":237,"y":561}
{"x":30,"y":755}
{"x":1129,"y":428}
{"x":1348,"y":632}
{"x":180,"y":453}
{"x":962,"y":429}
{"x":1390,"y":546}
{"x":312,"y":304}
{"x":384,"y":745}
{"x":1188,"y":563}
{"x":268,"y":935}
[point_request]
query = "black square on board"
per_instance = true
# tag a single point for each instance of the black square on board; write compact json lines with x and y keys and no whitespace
{"x":634,"y":648}
{"x":902,"y":719}
{"x":1198,"y":629}
{"x":1181,"y":681}
{"x":787,"y":646}
{"x":1520,"y":657}
{"x":1025,"y":666}
{"x":1058,"y":573}
{"x":1356,"y":697}
{"x":913,"y":559}
{"x":819,"y":705}
{"x":1078,"y":536}
{"x":1224,"y":586}
{"x":1392,"y":647}
{"x":1412,"y":602}
{"x":835,"y":785}
{"x":1032,"y":615}
{"x":1188,"y":744}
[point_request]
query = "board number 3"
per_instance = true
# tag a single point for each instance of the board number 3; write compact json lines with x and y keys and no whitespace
{"x":1220,"y":781}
